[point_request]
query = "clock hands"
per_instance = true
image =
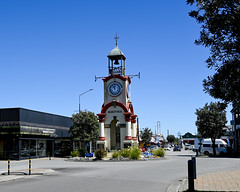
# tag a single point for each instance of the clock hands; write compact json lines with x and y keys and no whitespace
{"x":114,"y":89}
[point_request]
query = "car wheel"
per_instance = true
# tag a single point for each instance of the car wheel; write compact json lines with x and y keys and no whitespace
{"x":206,"y":153}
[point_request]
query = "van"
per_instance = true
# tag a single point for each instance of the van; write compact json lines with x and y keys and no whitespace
{"x":206,"y":147}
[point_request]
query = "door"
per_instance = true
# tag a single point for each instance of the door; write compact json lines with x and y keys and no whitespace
{"x":115,"y":134}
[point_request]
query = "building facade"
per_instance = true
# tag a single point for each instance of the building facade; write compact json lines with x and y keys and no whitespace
{"x":25,"y":133}
{"x":236,"y":129}
{"x":188,"y":138}
{"x":117,"y":120}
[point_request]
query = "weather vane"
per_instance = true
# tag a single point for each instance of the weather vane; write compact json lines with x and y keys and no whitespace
{"x":116,"y":38}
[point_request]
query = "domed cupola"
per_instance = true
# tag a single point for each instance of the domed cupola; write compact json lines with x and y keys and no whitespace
{"x":116,"y":61}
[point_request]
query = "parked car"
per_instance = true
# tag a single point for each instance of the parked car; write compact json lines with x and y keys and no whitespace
{"x":188,"y":146}
{"x":176,"y":148}
{"x":153,"y":147}
{"x":167,"y":148}
{"x":193,"y":149}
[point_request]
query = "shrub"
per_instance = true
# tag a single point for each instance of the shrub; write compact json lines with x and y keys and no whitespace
{"x":82,"y":152}
{"x":126,"y":152}
{"x":159,"y":152}
{"x":115,"y":154}
{"x":131,"y":153}
{"x":75,"y":153}
{"x":100,"y":153}
{"x":135,"y":153}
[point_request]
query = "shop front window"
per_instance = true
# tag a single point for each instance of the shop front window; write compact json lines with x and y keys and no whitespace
{"x":10,"y":148}
{"x":33,"y":148}
{"x":41,"y":148}
{"x":25,"y":150}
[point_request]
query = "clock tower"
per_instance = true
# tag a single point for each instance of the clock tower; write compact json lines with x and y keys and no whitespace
{"x":117,"y":120}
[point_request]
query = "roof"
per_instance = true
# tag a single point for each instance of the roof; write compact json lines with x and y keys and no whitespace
{"x":188,"y":135}
{"x":36,"y":117}
{"x":116,"y":53}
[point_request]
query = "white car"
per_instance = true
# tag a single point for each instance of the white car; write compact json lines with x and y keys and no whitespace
{"x":167,"y":148}
{"x":188,"y":146}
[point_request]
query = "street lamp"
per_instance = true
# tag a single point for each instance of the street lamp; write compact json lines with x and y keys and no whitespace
{"x":158,"y":127}
{"x":81,"y":95}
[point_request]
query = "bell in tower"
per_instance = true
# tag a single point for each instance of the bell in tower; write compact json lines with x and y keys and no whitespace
{"x":116,"y":61}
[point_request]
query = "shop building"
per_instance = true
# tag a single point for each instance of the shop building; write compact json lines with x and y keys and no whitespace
{"x":189,"y":138}
{"x":25,"y":133}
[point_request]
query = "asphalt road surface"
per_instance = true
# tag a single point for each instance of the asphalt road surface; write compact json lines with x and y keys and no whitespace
{"x":140,"y":176}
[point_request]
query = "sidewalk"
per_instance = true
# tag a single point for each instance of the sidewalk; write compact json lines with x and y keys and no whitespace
{"x":220,"y":181}
{"x":23,"y":174}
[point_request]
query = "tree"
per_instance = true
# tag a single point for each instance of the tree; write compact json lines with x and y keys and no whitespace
{"x":220,"y":31}
{"x":225,"y":83}
{"x":146,"y":135}
{"x":85,"y":127}
{"x":211,"y":120}
{"x":171,"y":138}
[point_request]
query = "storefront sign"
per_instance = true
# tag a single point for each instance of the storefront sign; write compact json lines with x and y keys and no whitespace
{"x":48,"y":131}
{"x":37,"y":131}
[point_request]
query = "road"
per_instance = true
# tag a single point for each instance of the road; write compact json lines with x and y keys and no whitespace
{"x":141,"y":176}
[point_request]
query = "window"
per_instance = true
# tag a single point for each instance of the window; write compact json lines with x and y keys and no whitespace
{"x":33,"y":148}
{"x":206,"y":145}
{"x":41,"y":148}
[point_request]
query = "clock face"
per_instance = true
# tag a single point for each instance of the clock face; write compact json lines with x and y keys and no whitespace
{"x":114,"y":89}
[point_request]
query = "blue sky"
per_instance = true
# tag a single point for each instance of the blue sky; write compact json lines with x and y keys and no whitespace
{"x":51,"y":50}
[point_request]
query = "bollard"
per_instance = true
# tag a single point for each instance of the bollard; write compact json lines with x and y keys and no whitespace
{"x":190,"y":176}
{"x":8,"y":166}
{"x":194,"y":168}
{"x":30,"y":163}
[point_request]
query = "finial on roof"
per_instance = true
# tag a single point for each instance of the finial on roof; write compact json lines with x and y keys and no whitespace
{"x":116,"y":38}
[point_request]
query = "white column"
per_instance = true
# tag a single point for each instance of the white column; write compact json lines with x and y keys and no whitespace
{"x":134,"y":133}
{"x":134,"y":127}
{"x":128,"y":130}
{"x":101,"y":129}
{"x":101,"y":117}
{"x":128,"y":125}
